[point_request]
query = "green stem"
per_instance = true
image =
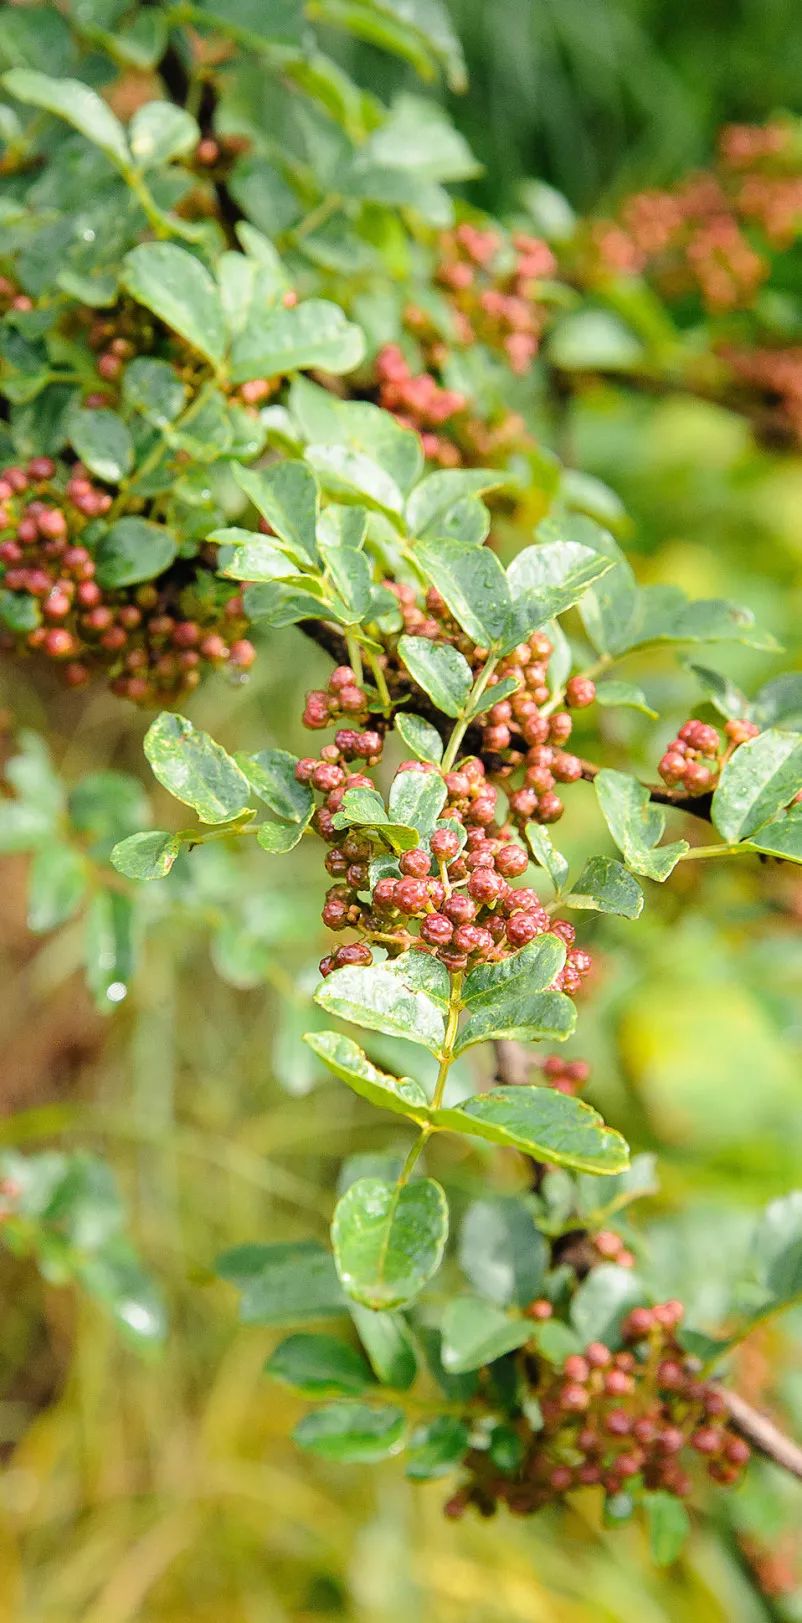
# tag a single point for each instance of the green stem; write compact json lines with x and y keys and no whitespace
{"x":461,"y":725}
{"x":381,"y":685}
{"x":354,"y":657}
{"x":316,"y":216}
{"x":446,"y":1060}
{"x":697,"y":853}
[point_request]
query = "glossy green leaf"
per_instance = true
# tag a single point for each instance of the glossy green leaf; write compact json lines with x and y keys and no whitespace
{"x":777,"y":1247}
{"x":352,"y":1433}
{"x":375,"y":996}
{"x":154,"y":389}
{"x":171,"y":282}
{"x":284,"y":1283}
{"x":442,"y":672}
{"x":57,"y":885}
{"x":434,"y":499}
{"x":348,"y":1061}
{"x":286,"y":495}
{"x":669,"y":1526}
{"x":728,"y":699}
{"x":637,"y":825}
{"x":543,"y":1123}
{"x":760,"y":778}
{"x":511,"y":998}
{"x":279,"y":838}
{"x":388,"y":1239}
{"x":159,"y":131}
{"x":73,"y":101}
{"x":501,"y":1253}
{"x":134,"y":550}
{"x":363,"y":808}
{"x":436,"y":1448}
{"x":611,"y":695}
{"x":476,"y":1332}
{"x":473,"y":584}
{"x":388,"y":1342}
{"x":546,"y":580}
{"x":416,"y":799}
{"x":271,"y":774}
{"x":602,"y":1303}
{"x":605,"y":886}
{"x":420,"y":737}
{"x":320,"y":1366}
{"x":315,"y":333}
{"x":779,"y":702}
{"x":546,"y":854}
{"x":195,"y":769}
{"x":102,"y":440}
{"x":782,"y":837}
{"x":146,"y":856}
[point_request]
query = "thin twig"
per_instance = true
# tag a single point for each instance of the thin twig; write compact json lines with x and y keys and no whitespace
{"x":763,"y":1435}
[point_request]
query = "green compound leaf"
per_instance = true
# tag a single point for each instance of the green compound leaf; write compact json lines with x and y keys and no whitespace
{"x":102,"y":440}
{"x":626,"y":694}
{"x":134,"y":550}
{"x":352,"y":1433}
{"x":271,"y":774}
{"x":350,"y":1063}
{"x":605,"y":886}
{"x":476,"y":1332}
{"x":545,"y":581}
{"x":759,"y":779}
{"x":501,"y":1253}
{"x":279,"y":838}
{"x":172,"y":283}
{"x":159,"y":132}
{"x":420,"y":737}
{"x":389,"y":1344}
{"x":782,"y":837}
{"x":79,"y":106}
{"x":320,"y":1366}
{"x":546,"y":854}
{"x":435,"y":1449}
{"x":636,"y":825}
{"x":195,"y":769}
{"x":284,"y":1283}
{"x":509,"y":999}
{"x":442,"y":672}
{"x":417,"y":799}
{"x":57,"y":885}
{"x":285,"y":494}
{"x":669,"y":1526}
{"x":364,"y":808}
{"x":602,"y":1303}
{"x":375,"y":996}
{"x":389,"y":1239}
{"x":154,"y":389}
{"x":547,"y":1125}
{"x":146,"y":856}
{"x":474,"y":586}
{"x":282,"y":340}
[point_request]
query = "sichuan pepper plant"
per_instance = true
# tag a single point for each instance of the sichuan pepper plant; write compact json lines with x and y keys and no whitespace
{"x":261,"y":370}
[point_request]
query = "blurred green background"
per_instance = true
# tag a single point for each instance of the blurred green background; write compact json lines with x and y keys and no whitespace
{"x":168,"y":1490}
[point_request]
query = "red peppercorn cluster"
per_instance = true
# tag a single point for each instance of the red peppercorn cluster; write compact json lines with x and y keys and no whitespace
{"x":567,"y":1076}
{"x":154,"y":641}
{"x":342,"y":697}
{"x":609,"y":1418}
{"x":491,"y":287}
{"x":451,"y":895}
{"x":516,"y":737}
{"x":694,"y":758}
{"x":418,"y":401}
